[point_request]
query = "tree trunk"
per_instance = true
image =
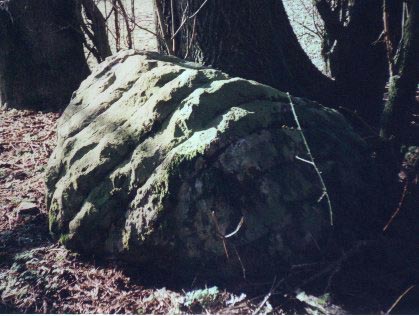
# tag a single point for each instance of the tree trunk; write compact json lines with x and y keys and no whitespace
{"x":403,"y":84}
{"x":41,"y":53}
{"x":97,"y":31}
{"x":245,"y":38}
{"x":354,"y":54}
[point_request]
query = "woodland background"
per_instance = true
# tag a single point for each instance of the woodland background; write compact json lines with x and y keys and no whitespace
{"x":360,"y":57}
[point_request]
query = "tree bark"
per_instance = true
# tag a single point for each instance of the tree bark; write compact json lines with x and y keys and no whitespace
{"x":354,"y":53}
{"x":401,"y":102}
{"x":41,"y":53}
{"x":98,"y":34}
{"x":245,"y":38}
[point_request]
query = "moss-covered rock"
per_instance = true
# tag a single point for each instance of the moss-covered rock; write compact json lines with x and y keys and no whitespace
{"x":165,"y":162}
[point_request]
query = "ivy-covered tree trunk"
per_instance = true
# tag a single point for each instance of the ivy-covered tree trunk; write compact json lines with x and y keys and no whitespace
{"x":355,"y":53}
{"x":403,"y":83}
{"x":41,"y":53}
{"x":245,"y":38}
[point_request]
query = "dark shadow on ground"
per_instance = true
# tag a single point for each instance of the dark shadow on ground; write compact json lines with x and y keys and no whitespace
{"x":30,"y":233}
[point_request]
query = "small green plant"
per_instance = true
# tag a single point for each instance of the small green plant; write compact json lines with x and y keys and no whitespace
{"x":64,"y":238}
{"x":204,"y":297}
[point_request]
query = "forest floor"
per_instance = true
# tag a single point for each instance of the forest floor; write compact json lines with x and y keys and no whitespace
{"x":38,"y":275}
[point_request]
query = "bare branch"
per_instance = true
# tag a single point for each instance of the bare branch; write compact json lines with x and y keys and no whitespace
{"x":98,"y":34}
{"x":188,"y":18}
{"x":164,"y":35}
{"x":319,"y":174}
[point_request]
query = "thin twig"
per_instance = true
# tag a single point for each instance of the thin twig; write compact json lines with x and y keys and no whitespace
{"x":164,"y":35}
{"x":236,"y":230}
{"x":126,"y":20}
{"x":117,"y":27}
{"x":241,"y":262}
{"x":406,"y":185}
{"x":222,"y":234}
{"x":267,"y":297}
{"x":217,"y":226}
{"x":188,"y":18}
{"x":305,"y":160}
{"x":132,"y":20}
{"x":400,"y":298}
{"x":172,"y":9}
{"x":319,"y":174}
{"x":191,"y":39}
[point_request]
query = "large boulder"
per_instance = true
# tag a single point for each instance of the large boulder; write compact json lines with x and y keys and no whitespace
{"x":166,"y":162}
